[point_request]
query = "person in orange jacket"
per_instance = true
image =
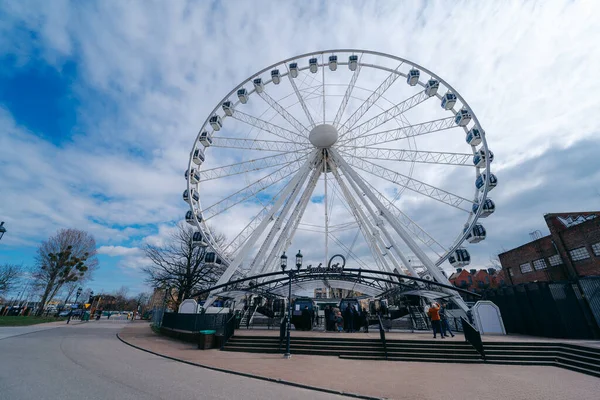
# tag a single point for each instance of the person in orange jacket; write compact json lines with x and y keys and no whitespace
{"x":436,"y":324}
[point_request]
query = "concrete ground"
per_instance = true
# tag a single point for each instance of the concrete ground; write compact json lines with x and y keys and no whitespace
{"x":383,"y":379}
{"x":86,"y":361}
{"x":10,"y":331}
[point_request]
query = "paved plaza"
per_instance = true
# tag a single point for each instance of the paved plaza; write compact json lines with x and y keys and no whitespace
{"x":384,"y":379}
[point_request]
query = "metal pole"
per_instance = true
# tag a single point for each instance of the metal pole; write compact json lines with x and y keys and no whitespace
{"x":289,"y":319}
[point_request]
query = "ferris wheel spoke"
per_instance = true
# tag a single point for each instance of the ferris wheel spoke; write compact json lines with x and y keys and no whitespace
{"x":257,"y":144}
{"x":367,"y":104}
{"x":251,"y":165}
{"x":347,"y":95}
{"x":405,"y":132}
{"x":418,"y":156}
{"x":408,"y":223}
{"x":283,"y":112}
{"x":386,"y":116}
{"x":409,"y":183}
{"x":245,"y":233}
{"x":250,"y":191}
{"x":300,"y":99}
{"x":270,"y":127}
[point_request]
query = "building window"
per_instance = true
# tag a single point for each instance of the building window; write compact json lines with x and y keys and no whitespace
{"x":525,"y":268}
{"x":579,"y":254}
{"x":510,"y":272}
{"x":539,"y":264}
{"x":596,"y":249}
{"x":554,"y":260}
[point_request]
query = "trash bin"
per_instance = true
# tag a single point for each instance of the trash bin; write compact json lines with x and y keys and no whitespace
{"x":206,"y":339}
{"x":86,"y":316}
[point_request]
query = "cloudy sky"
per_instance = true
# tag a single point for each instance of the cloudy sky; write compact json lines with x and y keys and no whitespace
{"x":100,"y":103}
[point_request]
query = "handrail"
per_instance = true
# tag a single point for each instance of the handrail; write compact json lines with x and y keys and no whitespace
{"x":473,"y":336}
{"x":229,"y":330}
{"x":382,"y":336}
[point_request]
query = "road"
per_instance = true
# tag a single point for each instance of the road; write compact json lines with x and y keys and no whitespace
{"x":87,"y":361}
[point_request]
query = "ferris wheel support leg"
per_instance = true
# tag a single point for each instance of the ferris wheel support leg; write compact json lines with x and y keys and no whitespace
{"x":284,"y":239}
{"x":435,"y":272}
{"x":233,"y":267}
{"x":379,"y":223}
{"x":275,"y":231}
{"x":370,"y":232}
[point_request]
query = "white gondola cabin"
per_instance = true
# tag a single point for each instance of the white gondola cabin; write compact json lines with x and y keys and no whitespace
{"x":189,"y":217}
{"x":480,"y":181}
{"x":276,"y":76}
{"x":477,"y":234}
{"x":333,"y":63}
{"x":412,"y":78}
{"x":206,"y":139}
{"x":432,"y":87}
{"x":474,"y":136}
{"x":198,"y":157}
{"x":216,"y":123}
{"x":448,"y":101}
{"x":198,"y":240}
{"x":353,"y":62}
{"x":462,"y":117}
{"x":294,"y":70}
{"x":480,"y":156}
{"x":313,"y":65}
{"x":186,"y":195}
{"x":242,"y":94}
{"x":459,"y":258}
{"x":194,"y":176}
{"x":488,"y":208}
{"x":258,"y":85}
{"x":227,"y":108}
{"x":210,"y":257}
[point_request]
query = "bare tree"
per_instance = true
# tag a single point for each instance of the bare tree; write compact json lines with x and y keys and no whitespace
{"x":9,"y":276}
{"x":180,"y":266}
{"x":68,"y":256}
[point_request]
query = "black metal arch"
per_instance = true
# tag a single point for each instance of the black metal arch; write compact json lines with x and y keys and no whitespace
{"x":350,"y":272}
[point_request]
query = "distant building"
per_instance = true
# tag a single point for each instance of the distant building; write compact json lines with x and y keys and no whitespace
{"x":475,"y":280}
{"x":571,"y":250}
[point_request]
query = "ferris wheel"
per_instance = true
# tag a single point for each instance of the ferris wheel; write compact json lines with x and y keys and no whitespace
{"x":340,"y":151}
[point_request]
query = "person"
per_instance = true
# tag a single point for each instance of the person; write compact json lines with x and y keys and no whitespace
{"x":444,"y":320}
{"x":365,"y":319}
{"x":349,"y":318}
{"x":305,"y":319}
{"x":339,"y":322}
{"x":327,"y":318}
{"x":434,"y":314}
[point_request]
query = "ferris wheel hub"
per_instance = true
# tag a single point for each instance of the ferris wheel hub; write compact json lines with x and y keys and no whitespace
{"x":323,"y":136}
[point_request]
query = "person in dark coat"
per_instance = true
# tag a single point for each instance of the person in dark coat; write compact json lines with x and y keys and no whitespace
{"x":305,"y":319}
{"x":348,"y":319}
{"x":327,"y":318}
{"x":356,"y":317}
{"x":365,"y":319}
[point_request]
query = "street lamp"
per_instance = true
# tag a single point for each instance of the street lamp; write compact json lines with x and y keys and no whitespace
{"x":298,"y":260}
{"x":288,"y":320}
{"x":2,"y":229}
{"x":76,"y":297}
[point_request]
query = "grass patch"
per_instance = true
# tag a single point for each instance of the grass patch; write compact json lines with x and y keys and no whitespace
{"x":25,"y":321}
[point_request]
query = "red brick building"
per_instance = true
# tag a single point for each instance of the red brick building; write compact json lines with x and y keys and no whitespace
{"x":571,"y":250}
{"x":475,"y":280}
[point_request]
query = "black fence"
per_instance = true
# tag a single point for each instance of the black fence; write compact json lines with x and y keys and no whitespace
{"x":550,"y":309}
{"x":196,"y":322}
{"x":472,"y":336}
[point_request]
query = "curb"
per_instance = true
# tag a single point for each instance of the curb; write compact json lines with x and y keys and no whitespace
{"x":252,"y":376}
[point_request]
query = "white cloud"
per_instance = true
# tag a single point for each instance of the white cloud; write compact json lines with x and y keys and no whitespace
{"x":150,"y":75}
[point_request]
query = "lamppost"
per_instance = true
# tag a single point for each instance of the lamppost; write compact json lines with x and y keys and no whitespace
{"x":76,"y":297}
{"x":289,"y":314}
{"x":2,"y":229}
{"x":91,"y":300}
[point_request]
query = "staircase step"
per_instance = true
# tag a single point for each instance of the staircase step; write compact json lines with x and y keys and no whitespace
{"x":593,"y":366}
{"x":575,"y":368}
{"x":437,"y":360}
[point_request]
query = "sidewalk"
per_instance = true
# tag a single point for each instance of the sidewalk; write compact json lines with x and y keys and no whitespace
{"x":382,"y":379}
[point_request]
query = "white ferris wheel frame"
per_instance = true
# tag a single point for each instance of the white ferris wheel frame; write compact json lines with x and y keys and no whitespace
{"x":397,"y":220}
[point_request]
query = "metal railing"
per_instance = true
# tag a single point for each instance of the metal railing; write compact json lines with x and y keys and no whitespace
{"x":473,"y":336}
{"x":228,"y":330}
{"x":382,"y":336}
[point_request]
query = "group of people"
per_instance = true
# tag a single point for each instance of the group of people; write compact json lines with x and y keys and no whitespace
{"x":350,"y":320}
{"x":439,"y":320}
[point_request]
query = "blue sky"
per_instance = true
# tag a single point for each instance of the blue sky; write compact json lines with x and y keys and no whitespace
{"x":100,"y":103}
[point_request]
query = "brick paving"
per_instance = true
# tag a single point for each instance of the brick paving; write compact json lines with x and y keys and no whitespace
{"x":383,"y":379}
